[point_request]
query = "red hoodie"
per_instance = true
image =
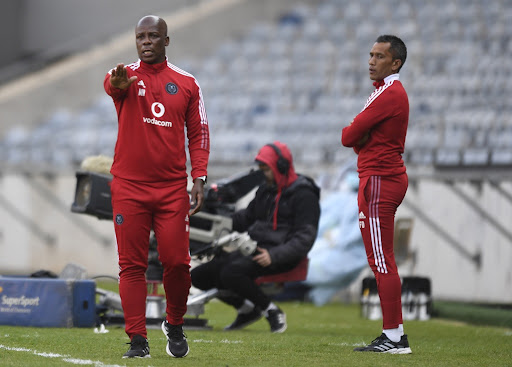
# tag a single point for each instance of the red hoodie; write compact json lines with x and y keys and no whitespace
{"x":269,"y":156}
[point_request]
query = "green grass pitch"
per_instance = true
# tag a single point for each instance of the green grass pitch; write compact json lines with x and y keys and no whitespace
{"x":316,"y":336}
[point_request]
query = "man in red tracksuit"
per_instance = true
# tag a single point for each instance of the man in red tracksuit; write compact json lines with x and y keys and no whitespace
{"x":377,"y":135}
{"x":155,"y":102}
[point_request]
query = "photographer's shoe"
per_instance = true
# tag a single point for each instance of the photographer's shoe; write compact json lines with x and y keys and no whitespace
{"x":245,"y":319}
{"x":177,"y":345}
{"x":139,"y":348}
{"x":277,"y":321}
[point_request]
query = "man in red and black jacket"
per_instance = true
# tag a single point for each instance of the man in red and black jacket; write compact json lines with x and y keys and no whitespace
{"x":283,"y":219}
{"x":156,"y":103}
{"x":377,"y":135}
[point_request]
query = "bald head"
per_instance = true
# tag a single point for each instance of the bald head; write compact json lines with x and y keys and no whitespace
{"x":153,"y":20}
{"x":151,"y":39}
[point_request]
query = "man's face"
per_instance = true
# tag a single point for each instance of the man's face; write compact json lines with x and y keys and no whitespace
{"x":381,"y":61}
{"x":267,"y":172}
{"x":151,"y":40}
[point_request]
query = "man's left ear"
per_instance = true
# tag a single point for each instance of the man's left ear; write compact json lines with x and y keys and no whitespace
{"x":167,"y":41}
{"x":396,"y":65}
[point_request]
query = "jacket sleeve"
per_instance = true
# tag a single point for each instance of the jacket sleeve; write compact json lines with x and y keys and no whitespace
{"x":244,"y":218}
{"x":378,"y":111}
{"x":198,"y":133}
{"x":306,"y":208}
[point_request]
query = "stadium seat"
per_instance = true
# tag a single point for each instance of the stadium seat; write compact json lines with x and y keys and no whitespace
{"x":310,"y":61}
{"x":297,"y":274}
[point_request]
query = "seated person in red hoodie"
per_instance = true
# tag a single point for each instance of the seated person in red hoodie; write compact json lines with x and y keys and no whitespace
{"x":283,"y":220}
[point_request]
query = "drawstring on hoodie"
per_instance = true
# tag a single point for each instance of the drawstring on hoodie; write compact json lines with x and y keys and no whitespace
{"x":280,"y":188}
{"x":274,"y":219}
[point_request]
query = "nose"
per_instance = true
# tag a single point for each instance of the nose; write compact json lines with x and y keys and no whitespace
{"x":371,"y":60}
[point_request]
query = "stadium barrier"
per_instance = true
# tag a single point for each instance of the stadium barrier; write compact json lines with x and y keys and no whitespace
{"x":47,"y":302}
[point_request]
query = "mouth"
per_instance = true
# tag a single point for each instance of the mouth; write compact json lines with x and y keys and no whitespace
{"x":147,"y":52}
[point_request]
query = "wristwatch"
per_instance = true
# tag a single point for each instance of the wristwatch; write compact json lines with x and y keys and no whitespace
{"x":203,"y":178}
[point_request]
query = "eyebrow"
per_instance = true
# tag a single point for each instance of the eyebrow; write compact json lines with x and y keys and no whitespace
{"x":148,"y":32}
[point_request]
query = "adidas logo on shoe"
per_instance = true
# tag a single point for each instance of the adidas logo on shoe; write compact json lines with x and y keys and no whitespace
{"x":139,"y":348}
{"x":383,"y":345}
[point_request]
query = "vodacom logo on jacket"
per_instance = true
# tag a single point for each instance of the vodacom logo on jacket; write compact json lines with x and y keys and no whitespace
{"x":157,"y":109}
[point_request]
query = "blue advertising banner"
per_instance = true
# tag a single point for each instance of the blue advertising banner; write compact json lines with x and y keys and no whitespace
{"x":47,"y":302}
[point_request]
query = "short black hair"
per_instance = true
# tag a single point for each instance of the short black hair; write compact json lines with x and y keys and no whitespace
{"x":397,"y":47}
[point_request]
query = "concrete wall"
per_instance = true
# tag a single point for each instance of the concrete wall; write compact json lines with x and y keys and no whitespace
{"x":11,"y":16}
{"x":60,"y":27}
{"x":454,"y":275}
{"x":38,"y":230}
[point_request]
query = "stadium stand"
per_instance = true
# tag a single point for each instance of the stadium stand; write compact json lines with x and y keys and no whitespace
{"x":303,"y":77}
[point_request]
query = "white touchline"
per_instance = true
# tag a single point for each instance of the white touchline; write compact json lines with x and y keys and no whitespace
{"x":65,"y":358}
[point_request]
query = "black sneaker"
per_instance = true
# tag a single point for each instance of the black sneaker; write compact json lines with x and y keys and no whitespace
{"x":245,"y":319}
{"x":176,"y":340}
{"x":277,"y":321}
{"x":139,"y":348}
{"x":402,"y":347}
{"x":383,"y":345}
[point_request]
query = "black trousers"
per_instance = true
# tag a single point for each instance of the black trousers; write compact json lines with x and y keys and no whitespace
{"x":236,"y":273}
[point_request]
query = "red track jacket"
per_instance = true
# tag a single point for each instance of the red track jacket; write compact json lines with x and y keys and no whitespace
{"x":153,"y":114}
{"x":385,"y":116}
